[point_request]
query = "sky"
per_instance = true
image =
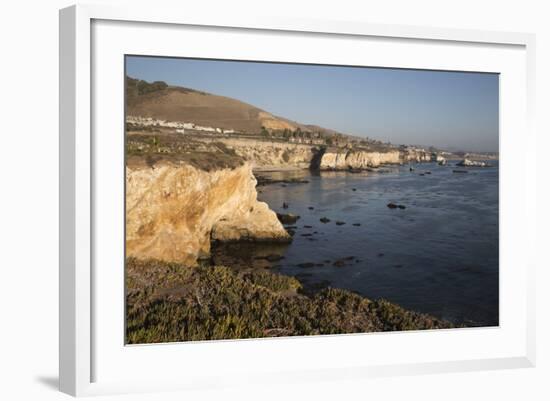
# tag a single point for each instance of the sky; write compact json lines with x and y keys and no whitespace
{"x":449,"y":110}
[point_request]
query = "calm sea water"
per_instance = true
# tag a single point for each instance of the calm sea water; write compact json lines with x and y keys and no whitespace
{"x":439,"y":255}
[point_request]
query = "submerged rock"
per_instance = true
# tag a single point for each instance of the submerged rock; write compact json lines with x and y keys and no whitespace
{"x":324,"y":220}
{"x":340,"y":223}
{"x":287,"y":218}
{"x":274,"y":257}
{"x":306,"y":265}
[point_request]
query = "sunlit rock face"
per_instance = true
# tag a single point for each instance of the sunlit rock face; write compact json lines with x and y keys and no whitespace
{"x":271,"y":153}
{"x":173,"y":212}
{"x":472,"y":163}
{"x":343,"y":159}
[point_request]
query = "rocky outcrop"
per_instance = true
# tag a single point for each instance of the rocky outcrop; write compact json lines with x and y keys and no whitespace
{"x":173,"y":212}
{"x":270,"y":153}
{"x":472,"y":163}
{"x":416,"y":155}
{"x":346,"y":159}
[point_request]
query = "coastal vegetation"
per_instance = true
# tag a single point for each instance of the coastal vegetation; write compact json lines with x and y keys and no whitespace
{"x":169,"y":302}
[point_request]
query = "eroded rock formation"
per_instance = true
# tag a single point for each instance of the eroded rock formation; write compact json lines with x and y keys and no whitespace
{"x":343,"y":159}
{"x":173,"y":212}
{"x":270,"y":153}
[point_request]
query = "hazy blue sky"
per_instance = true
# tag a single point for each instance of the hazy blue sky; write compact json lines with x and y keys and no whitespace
{"x":444,"y":109}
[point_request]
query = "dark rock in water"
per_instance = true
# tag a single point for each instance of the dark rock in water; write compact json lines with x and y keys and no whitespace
{"x":428,"y":172}
{"x":285,"y":205}
{"x":290,"y":227}
{"x":459,"y":171}
{"x":421,"y":174}
{"x":339,"y":263}
{"x":308,"y":226}
{"x":354,"y":189}
{"x":274,"y":257}
{"x":324,"y":220}
{"x":311,"y":207}
{"x":411,"y":168}
{"x":262,"y":180}
{"x":271,"y":258}
{"x":340,"y":223}
{"x":401,"y":206}
{"x":380,"y":254}
{"x":356,"y":224}
{"x":287,"y":218}
{"x":314,"y":232}
{"x":392,"y":205}
{"x":306,"y":235}
{"x":312,"y":239}
{"x":306,"y":265}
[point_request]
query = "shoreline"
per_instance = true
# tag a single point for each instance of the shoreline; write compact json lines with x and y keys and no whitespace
{"x":217,"y":302}
{"x":277,"y":169}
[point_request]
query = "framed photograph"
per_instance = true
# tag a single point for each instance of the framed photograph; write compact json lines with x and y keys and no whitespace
{"x":272,"y":200}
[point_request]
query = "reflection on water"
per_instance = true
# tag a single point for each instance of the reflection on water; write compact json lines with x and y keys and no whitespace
{"x":439,"y":255}
{"x":244,"y":255}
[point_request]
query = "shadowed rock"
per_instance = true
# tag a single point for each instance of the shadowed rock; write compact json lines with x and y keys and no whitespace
{"x":287,"y":218}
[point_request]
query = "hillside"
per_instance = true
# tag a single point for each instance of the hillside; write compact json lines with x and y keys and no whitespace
{"x":173,"y":103}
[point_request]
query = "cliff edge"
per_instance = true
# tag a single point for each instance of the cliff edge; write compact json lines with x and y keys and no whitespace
{"x":174,"y":211}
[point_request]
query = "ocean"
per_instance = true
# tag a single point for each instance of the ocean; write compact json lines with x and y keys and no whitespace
{"x":438,"y":255}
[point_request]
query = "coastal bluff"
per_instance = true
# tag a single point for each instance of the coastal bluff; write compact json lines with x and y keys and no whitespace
{"x":174,"y":211}
{"x":344,"y":159}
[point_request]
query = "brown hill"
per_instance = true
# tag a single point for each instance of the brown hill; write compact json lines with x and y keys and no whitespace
{"x":161,"y":101}
{"x":173,"y":103}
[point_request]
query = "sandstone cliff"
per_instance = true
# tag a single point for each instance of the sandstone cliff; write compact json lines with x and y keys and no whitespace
{"x":173,"y":212}
{"x":270,"y":153}
{"x":343,"y":159}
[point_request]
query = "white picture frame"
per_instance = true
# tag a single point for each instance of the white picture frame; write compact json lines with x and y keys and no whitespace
{"x":82,"y":346}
